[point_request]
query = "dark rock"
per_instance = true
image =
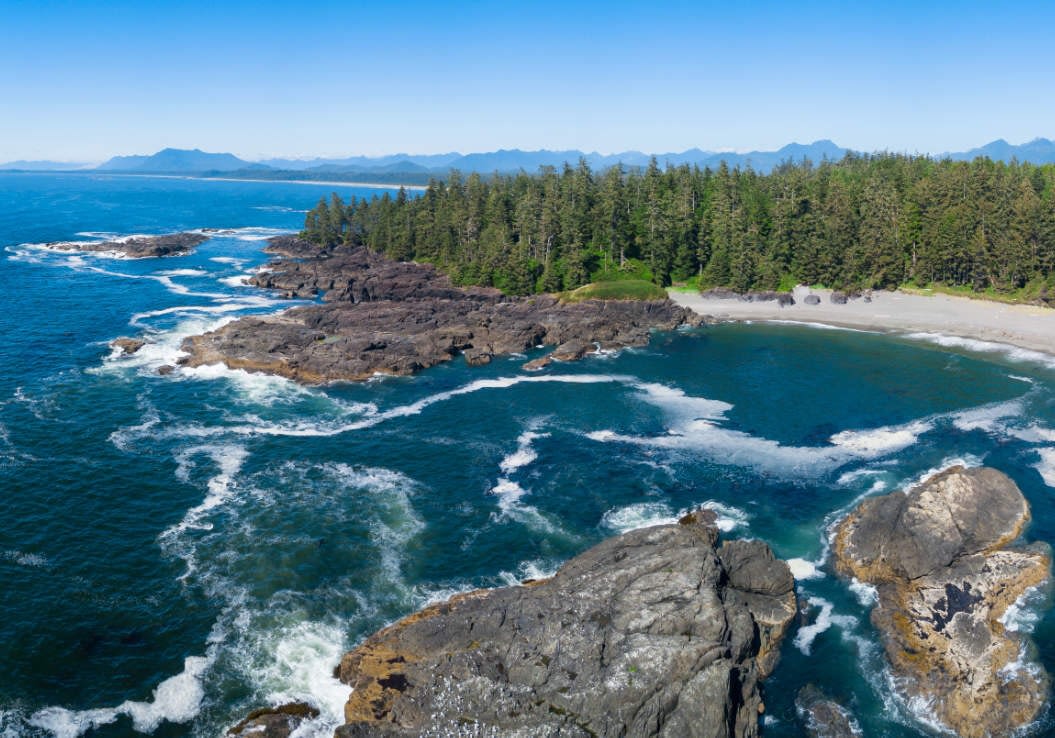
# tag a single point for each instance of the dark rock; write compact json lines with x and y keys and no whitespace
{"x":812,"y":300}
{"x":478,"y":357}
{"x":824,"y":717}
{"x":721,"y":293}
{"x":540,"y":363}
{"x":387,"y":317}
{"x":838,"y":298}
{"x":142,"y":247}
{"x":274,"y":722}
{"x":645,"y":634}
{"x":128,"y":346}
{"x":166,"y":369}
{"x":945,"y":575}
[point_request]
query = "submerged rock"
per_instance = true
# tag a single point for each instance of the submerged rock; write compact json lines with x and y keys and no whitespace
{"x":659,"y":631}
{"x":946,"y":575}
{"x":388,"y":317}
{"x":823,"y":717}
{"x":274,"y":722}
{"x":128,"y":346}
{"x":142,"y":247}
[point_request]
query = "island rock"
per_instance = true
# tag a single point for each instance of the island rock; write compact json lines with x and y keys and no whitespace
{"x":946,"y":574}
{"x":660,"y":631}
{"x":140,"y":247}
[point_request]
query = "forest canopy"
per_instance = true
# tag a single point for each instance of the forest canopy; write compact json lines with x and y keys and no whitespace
{"x":876,"y":221}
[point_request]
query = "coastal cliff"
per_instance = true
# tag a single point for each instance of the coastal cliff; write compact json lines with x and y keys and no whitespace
{"x":946,"y":575}
{"x":662,"y":631}
{"x":388,"y":317}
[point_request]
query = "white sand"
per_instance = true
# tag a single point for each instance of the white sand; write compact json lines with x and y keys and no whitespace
{"x":1024,"y":326}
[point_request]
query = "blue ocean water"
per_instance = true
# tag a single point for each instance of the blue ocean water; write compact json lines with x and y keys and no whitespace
{"x":176,"y":550}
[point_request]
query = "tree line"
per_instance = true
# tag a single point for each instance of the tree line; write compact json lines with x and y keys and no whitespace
{"x":866,"y":221}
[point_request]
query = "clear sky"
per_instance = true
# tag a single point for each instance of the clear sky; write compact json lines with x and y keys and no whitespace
{"x":87,"y":80}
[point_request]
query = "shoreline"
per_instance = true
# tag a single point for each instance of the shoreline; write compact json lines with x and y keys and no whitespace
{"x":321,"y":183}
{"x":1022,"y":326}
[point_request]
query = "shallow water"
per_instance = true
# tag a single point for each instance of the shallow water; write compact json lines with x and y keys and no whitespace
{"x":177,"y":550}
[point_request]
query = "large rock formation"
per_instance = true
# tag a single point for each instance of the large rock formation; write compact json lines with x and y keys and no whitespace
{"x":946,"y":574}
{"x":141,"y":247}
{"x":658,"y":632}
{"x":382,"y":316}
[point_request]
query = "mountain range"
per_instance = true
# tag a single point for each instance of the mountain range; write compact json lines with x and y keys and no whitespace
{"x":412,"y":168}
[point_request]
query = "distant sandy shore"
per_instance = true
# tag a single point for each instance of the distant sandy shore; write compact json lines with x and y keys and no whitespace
{"x":1023,"y":326}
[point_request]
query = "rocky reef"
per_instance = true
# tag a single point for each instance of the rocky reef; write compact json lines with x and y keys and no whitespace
{"x":388,"y":317}
{"x":823,"y":717}
{"x":661,"y":631}
{"x":141,"y":247}
{"x":944,"y":561}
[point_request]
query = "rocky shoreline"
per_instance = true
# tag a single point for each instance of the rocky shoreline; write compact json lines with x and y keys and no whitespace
{"x":659,"y":631}
{"x":379,"y":316}
{"x":140,"y":247}
{"x":946,"y":573}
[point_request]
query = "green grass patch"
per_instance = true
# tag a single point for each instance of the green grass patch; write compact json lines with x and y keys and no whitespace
{"x":621,"y":289}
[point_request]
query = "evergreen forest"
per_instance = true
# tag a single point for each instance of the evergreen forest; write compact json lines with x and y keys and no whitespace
{"x":864,"y":222}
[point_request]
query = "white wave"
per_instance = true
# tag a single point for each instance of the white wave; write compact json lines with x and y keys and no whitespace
{"x":681,"y":406}
{"x":881,"y":441}
{"x":848,"y":478}
{"x":238,"y":280}
{"x":1033,"y":434}
{"x":177,"y":699}
{"x":228,"y":260}
{"x":524,"y":454}
{"x":1024,"y":613}
{"x":639,"y":515}
{"x":802,"y":569}
{"x":1017,"y":378}
{"x":228,"y":459}
{"x":535,"y":569}
{"x":987,"y":347}
{"x":820,"y":326}
{"x":250,"y":233}
{"x":742,"y":449}
{"x":182,"y":273}
{"x":968,"y":461}
{"x":163,"y":347}
{"x":825,"y":619}
{"x":509,"y":495}
{"x":26,"y":559}
{"x":988,"y":417}
{"x":296,"y":665}
{"x":1046,"y":466}
{"x":648,"y":514}
{"x":865,"y":593}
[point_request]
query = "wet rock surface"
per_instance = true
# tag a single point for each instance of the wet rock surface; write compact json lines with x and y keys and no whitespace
{"x":660,"y":631}
{"x":274,"y":722}
{"x":946,"y":574}
{"x":387,"y":317}
{"x":823,"y":717}
{"x":142,"y":247}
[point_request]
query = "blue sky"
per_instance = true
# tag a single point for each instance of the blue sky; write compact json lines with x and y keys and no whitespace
{"x":85,"y":80}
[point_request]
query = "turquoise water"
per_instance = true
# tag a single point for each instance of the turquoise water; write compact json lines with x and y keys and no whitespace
{"x":177,"y":550}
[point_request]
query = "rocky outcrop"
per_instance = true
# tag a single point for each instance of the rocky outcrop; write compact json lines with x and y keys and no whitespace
{"x":274,"y":722}
{"x":141,"y":247}
{"x":823,"y":717}
{"x":724,"y":293}
{"x":128,"y":346}
{"x":387,"y":317}
{"x":658,"y":632}
{"x":946,"y":573}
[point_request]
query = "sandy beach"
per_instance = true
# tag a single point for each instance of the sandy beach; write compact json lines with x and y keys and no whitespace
{"x":944,"y":318}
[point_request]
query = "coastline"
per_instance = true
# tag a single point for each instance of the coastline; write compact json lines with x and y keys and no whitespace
{"x":321,"y":183}
{"x":1023,"y":326}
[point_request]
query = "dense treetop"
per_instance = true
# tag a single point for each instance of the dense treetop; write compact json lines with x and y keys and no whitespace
{"x":874,"y":221}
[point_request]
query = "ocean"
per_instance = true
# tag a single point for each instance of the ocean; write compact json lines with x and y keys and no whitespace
{"x":177,"y":550}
